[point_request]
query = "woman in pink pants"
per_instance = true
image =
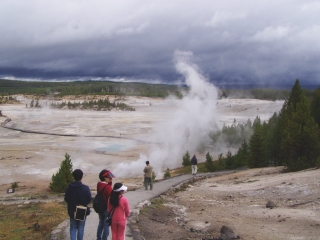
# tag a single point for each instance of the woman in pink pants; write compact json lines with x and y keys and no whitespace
{"x":121,"y":211}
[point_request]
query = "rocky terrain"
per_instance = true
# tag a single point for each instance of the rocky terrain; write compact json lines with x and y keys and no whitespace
{"x":239,"y":201}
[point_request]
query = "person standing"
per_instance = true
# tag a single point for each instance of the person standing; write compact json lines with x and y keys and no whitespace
{"x":119,"y":205}
{"x":105,"y":188}
{"x":148,"y":176}
{"x":194,"y":163}
{"x":77,"y":194}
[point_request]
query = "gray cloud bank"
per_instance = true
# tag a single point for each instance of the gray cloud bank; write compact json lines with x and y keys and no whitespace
{"x":234,"y":42}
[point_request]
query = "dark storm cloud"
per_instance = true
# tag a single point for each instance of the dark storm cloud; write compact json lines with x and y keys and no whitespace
{"x":233,"y":42}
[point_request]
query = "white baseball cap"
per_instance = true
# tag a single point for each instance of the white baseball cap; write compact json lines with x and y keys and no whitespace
{"x":122,"y":188}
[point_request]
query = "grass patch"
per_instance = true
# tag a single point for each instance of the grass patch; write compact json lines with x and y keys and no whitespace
{"x":16,"y":221}
{"x":187,"y":170}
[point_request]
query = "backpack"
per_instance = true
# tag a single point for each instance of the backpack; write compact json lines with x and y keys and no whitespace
{"x":98,"y":203}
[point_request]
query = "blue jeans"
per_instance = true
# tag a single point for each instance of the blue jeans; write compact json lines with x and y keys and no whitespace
{"x":76,"y":225}
{"x":103,"y":228}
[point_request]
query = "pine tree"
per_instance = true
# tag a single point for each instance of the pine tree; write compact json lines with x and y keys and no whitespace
{"x":257,"y":146}
{"x":276,"y":154}
{"x":221,"y":161}
{"x":229,"y":160}
{"x":273,"y":141}
{"x":186,"y":161}
{"x":315,"y":106}
{"x":153,"y":176}
{"x":209,"y":163}
{"x":167,"y":173}
{"x":300,"y":143}
{"x":242,"y":155}
{"x":63,"y":177}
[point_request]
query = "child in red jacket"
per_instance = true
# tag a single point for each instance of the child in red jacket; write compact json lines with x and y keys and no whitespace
{"x":105,"y":188}
{"x":121,"y":211}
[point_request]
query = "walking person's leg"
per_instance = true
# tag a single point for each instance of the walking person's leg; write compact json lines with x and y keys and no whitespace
{"x":100,"y":227}
{"x":106,"y":228}
{"x":195,"y":169}
{"x":151,"y":184}
{"x":103,"y":228}
{"x":80,"y":228}
{"x":146,"y":183}
{"x":114,"y":230}
{"x":73,"y":229}
{"x":119,"y":230}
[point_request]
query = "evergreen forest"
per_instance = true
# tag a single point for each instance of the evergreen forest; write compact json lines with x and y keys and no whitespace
{"x":290,"y":138}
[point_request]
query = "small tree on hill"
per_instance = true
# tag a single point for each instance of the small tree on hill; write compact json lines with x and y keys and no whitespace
{"x":209,"y":163}
{"x":186,"y":161}
{"x":167,"y":173}
{"x":154,"y":176}
{"x":63,"y":177}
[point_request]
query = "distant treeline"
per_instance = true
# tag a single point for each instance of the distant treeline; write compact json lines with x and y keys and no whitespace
{"x":60,"y":89}
{"x":99,"y":105}
{"x":263,"y":93}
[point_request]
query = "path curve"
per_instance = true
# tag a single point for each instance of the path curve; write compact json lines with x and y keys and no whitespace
{"x":137,"y":200}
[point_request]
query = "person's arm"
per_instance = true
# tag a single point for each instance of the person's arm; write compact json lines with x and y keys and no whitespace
{"x":66,"y":195}
{"x":88,"y":193}
{"x":126,"y":207}
{"x":144,"y":170}
{"x":108,"y":191}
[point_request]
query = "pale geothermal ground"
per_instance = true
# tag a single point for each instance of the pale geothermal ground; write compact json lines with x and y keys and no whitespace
{"x":237,"y":200}
{"x":33,"y":158}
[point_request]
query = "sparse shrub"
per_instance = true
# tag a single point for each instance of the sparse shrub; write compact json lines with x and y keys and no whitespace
{"x":14,"y":185}
{"x":167,"y":173}
{"x":209,"y":163}
{"x":63,"y":177}
{"x":153,"y":176}
{"x":186,"y":161}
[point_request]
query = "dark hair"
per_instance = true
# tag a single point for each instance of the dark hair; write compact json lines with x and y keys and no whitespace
{"x":147,"y":162}
{"x":101,"y":173}
{"x":114,"y":197}
{"x":77,"y":174}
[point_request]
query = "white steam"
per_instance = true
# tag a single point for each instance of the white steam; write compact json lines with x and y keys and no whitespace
{"x":189,"y":127}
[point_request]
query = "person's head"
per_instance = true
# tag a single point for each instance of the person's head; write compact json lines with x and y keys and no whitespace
{"x":105,"y":175}
{"x":77,"y":174}
{"x":147,"y":162}
{"x":118,"y":189}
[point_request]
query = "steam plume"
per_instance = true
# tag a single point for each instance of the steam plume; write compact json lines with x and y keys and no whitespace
{"x":188,"y":127}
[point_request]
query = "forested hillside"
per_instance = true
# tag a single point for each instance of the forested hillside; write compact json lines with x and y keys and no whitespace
{"x":290,"y":138}
{"x":10,"y":87}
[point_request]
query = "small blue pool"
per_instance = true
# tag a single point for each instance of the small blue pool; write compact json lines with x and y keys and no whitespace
{"x":112,"y":148}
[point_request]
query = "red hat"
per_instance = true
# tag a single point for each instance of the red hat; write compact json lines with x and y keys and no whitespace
{"x":108,"y":174}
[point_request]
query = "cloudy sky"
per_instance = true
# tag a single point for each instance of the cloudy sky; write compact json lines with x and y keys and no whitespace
{"x":232,"y":41}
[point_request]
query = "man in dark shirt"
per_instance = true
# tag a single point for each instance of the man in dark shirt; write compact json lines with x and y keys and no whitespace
{"x":77,"y":194}
{"x":194,"y":162}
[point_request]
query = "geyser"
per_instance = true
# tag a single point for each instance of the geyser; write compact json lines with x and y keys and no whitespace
{"x":190,"y":126}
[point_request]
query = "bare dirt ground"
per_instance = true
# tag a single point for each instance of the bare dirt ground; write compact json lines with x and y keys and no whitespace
{"x":239,"y":202}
